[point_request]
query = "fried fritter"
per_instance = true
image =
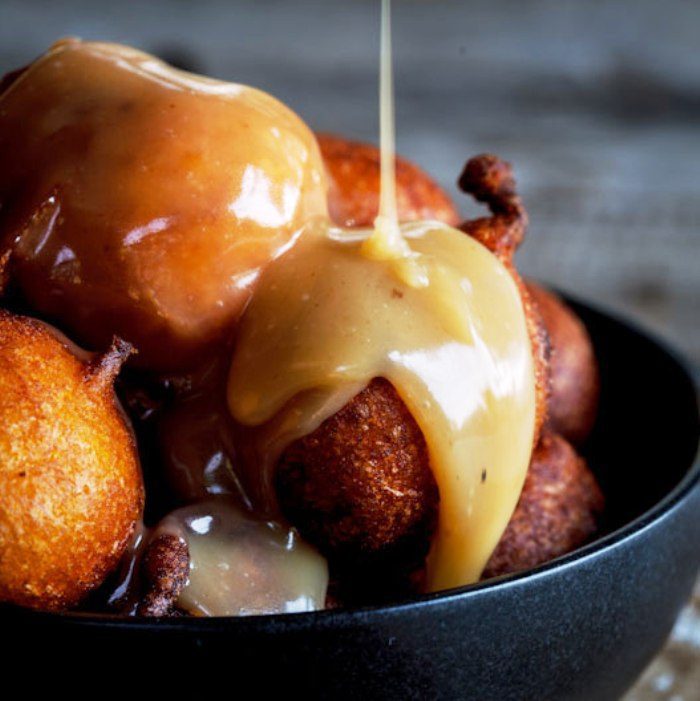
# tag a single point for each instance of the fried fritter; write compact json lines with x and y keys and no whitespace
{"x":164,"y":569}
{"x":70,"y":482}
{"x":360,"y":486}
{"x":353,"y":198}
{"x":558,"y":509}
{"x":136,"y":201}
{"x":557,"y":512}
{"x":573,"y":402}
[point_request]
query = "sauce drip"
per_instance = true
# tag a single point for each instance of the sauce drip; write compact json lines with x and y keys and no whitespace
{"x":325,"y":320}
{"x":386,"y":241}
{"x":421,"y":305}
{"x":241,"y":566}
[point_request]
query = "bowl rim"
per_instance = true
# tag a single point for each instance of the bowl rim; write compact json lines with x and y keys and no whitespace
{"x":658,"y":512}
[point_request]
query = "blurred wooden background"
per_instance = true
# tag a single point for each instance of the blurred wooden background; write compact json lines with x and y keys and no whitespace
{"x":596,"y":103}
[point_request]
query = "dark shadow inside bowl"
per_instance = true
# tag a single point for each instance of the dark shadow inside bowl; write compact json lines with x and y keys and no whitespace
{"x":646,"y":433}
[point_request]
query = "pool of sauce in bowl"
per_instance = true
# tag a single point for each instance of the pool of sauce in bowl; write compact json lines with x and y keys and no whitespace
{"x":242,"y":566}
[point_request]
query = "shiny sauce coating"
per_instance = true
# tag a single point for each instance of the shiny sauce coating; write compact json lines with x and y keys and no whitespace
{"x":243,"y":566}
{"x":325,"y":320}
{"x":143,"y":201}
{"x":421,"y":305}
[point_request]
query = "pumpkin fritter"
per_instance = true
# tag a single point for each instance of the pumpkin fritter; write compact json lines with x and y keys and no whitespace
{"x":70,"y":481}
{"x":557,"y":512}
{"x":573,"y":403}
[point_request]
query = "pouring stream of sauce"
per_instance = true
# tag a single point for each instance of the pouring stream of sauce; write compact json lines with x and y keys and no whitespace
{"x":386,"y":242}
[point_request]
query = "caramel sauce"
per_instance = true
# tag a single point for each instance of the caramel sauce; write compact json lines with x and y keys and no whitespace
{"x":197,"y":439}
{"x":456,"y":350}
{"x":241,"y":566}
{"x":386,"y":241}
{"x":144,"y":201}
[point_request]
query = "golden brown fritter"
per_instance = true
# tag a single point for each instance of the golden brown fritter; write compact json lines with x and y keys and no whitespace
{"x":557,"y":512}
{"x":354,"y":174}
{"x":70,"y":482}
{"x":132,"y":208}
{"x":573,"y":402}
{"x":360,"y":485}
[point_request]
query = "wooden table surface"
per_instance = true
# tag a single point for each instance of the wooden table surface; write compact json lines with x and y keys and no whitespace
{"x":596,"y":103}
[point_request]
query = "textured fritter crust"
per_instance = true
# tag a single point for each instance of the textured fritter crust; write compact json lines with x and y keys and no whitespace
{"x":70,"y":482}
{"x":353,"y":198}
{"x":573,"y":402}
{"x":557,"y":512}
{"x":360,"y":486}
{"x":164,"y":571}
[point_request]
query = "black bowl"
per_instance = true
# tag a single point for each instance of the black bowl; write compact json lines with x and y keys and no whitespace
{"x":581,"y":627}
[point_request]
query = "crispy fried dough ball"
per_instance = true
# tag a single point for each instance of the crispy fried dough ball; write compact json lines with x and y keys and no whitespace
{"x":142,"y":201}
{"x":70,"y":482}
{"x":353,"y":198}
{"x":557,"y":511}
{"x":360,"y":487}
{"x":573,"y":402}
{"x":361,"y":484}
{"x":164,"y":569}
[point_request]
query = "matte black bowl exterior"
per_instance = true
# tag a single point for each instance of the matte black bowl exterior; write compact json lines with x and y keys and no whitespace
{"x":582,"y":627}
